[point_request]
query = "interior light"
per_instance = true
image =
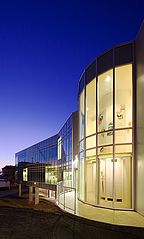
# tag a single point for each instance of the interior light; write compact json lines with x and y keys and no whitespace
{"x":86,"y":108}
{"x":107,"y":78}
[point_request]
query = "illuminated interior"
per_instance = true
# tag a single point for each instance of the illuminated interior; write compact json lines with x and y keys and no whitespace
{"x":50,"y":175}
{"x":105,"y":159}
{"x":25,"y":174}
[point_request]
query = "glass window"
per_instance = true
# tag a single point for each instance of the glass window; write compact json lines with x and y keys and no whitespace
{"x":105,"y":101}
{"x":91,"y":176}
{"x":106,"y":180}
{"x":123,"y":136}
{"x":105,"y":150}
{"x":81,"y":115}
{"x":123,"y":96}
{"x":123,"y":182}
{"x":123,"y":176}
{"x":105,"y":138}
{"x":81,"y":177}
{"x":123,"y":149}
{"x":91,"y":142}
{"x":25,"y":174}
{"x":91,"y":108}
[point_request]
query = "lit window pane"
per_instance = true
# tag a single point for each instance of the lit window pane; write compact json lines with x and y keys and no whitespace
{"x":105,"y":101}
{"x":121,"y":149}
{"x":105,"y":138}
{"x":123,"y":96}
{"x":91,"y":108}
{"x":123,"y":136}
{"x":123,"y":176}
{"x":91,"y":142}
{"x":105,"y":150}
{"x":81,"y":115}
{"x":91,"y":176}
{"x":81,"y":176}
{"x":106,"y":180}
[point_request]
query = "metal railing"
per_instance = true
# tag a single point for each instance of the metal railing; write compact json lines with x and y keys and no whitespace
{"x":66,"y":197}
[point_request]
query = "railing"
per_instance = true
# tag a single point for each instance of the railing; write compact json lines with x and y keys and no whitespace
{"x":66,"y":197}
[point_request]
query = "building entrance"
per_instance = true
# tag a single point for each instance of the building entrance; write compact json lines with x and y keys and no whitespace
{"x":115,"y":181}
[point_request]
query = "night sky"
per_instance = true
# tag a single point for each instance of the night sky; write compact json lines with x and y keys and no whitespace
{"x":44,"y":48}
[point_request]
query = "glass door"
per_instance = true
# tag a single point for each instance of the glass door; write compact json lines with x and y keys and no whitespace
{"x":106,"y":181}
{"x":123,"y":181}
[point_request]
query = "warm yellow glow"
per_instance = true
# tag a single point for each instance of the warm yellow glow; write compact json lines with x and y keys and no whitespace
{"x":123,"y":96}
{"x":59,"y":148}
{"x":108,"y":78}
{"x":91,"y":108}
{"x":105,"y":101}
{"x":25,"y":174}
{"x":50,"y":175}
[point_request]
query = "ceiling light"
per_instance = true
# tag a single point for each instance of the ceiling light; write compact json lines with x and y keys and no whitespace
{"x":107,"y":78}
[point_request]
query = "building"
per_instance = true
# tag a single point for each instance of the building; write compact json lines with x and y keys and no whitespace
{"x":108,"y":141}
{"x":50,"y":161}
{"x":111,"y":128}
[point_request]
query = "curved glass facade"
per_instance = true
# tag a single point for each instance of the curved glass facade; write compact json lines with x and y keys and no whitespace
{"x":106,"y":133}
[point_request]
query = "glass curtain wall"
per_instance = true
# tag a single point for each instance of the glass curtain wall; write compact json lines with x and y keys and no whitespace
{"x":105,"y":160}
{"x":90,"y":154}
{"x":123,"y":136}
{"x":65,"y":153}
{"x":105,"y":138}
{"x":81,"y":180}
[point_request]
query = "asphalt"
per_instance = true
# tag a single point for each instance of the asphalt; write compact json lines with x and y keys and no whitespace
{"x":24,"y":223}
{"x":21,"y":220}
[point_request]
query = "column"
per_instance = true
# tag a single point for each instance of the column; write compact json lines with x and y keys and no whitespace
{"x":30,"y":193}
{"x":36,"y":195}
{"x":20,"y":192}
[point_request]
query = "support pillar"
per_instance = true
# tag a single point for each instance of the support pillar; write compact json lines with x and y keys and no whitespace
{"x":20,"y":191}
{"x":36,"y":195}
{"x":30,"y":193}
{"x":56,"y":194}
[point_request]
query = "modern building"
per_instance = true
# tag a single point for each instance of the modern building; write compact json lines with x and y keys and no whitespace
{"x":111,"y":128}
{"x":50,"y":161}
{"x":104,"y":152}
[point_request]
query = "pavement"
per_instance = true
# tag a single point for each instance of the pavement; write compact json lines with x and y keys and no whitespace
{"x":110,"y":216}
{"x":20,"y":219}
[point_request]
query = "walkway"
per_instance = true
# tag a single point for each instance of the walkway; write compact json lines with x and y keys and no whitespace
{"x":117,"y":217}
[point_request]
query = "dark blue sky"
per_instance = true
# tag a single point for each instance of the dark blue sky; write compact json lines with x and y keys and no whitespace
{"x":44,"y":48}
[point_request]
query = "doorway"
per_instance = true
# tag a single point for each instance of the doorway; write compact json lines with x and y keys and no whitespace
{"x":115,"y":192}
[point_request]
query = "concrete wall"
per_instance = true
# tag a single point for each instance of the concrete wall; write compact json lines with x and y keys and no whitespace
{"x":140,"y":121}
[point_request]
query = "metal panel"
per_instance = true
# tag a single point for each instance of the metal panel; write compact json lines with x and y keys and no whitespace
{"x":90,"y":72}
{"x":123,"y":54}
{"x":105,"y":62}
{"x":81,"y":83}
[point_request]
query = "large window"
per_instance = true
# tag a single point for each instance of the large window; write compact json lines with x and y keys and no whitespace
{"x":91,"y":108}
{"x":91,"y":176}
{"x":106,"y":180}
{"x":123,"y":176}
{"x":123,"y":96}
{"x":81,"y":116}
{"x":81,"y":182}
{"x":105,"y":101}
{"x":105,"y":161}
